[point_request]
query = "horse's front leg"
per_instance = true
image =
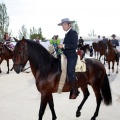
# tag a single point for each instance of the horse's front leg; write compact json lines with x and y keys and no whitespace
{"x":0,"y":64}
{"x":51,"y":105}
{"x":86,"y":94}
{"x":113,"y":66}
{"x":8,"y":65}
{"x":99,"y":57}
{"x":104,"y":60}
{"x":44,"y":100}
{"x":109,"y":68}
{"x":117,"y":67}
{"x":95,"y":54}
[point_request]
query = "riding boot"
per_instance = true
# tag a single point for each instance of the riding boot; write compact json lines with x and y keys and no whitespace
{"x":74,"y":90}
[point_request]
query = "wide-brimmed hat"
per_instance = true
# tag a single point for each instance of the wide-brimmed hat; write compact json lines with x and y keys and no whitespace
{"x":113,"y":35}
{"x":65,"y":20}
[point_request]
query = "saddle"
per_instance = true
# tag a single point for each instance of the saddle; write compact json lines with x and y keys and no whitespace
{"x":10,"y":47}
{"x":80,"y":67}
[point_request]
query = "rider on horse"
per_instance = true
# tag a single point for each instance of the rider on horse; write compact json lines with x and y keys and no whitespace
{"x":104,"y":40}
{"x":115,"y":45}
{"x":8,"y":41}
{"x":69,"y":47}
{"x":81,"y":41}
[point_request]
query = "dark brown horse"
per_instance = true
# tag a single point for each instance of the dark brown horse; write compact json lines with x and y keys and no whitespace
{"x":96,"y":49}
{"x":85,"y":48}
{"x":82,"y":50}
{"x":45,"y":69}
{"x":111,"y":56}
{"x":5,"y":54}
{"x":103,"y":48}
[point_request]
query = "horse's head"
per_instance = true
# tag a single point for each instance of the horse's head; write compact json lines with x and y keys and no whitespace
{"x":109,"y":44}
{"x":20,"y":56}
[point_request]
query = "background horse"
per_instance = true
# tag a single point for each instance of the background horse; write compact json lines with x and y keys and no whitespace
{"x":45,"y":69}
{"x":111,"y":57}
{"x":5,"y":54}
{"x":82,"y":50}
{"x":103,"y":48}
{"x":96,"y":49}
{"x":85,"y":48}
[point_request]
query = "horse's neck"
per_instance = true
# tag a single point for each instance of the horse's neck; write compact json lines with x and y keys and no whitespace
{"x":111,"y":49}
{"x":34,"y":71}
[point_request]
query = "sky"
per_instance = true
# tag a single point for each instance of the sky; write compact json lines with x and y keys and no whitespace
{"x":103,"y":16}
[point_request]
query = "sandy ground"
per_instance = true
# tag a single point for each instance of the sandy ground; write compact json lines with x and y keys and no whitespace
{"x":20,"y":100}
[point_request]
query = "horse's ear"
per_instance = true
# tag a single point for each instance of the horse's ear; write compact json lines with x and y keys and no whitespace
{"x":16,"y":40}
{"x":23,"y":39}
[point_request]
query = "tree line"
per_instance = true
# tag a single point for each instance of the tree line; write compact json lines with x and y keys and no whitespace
{"x":33,"y":32}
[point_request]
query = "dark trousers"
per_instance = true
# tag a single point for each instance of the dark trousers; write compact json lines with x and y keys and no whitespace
{"x":71,"y":63}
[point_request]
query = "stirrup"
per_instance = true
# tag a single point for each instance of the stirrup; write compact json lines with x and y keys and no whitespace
{"x":74,"y":94}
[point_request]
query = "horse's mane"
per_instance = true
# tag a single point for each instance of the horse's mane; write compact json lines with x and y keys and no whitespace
{"x":42,"y":59}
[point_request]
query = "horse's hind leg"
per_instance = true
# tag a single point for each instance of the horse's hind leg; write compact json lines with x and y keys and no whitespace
{"x":98,"y":100}
{"x":12,"y":68}
{"x":51,"y":105}
{"x":86,"y":94}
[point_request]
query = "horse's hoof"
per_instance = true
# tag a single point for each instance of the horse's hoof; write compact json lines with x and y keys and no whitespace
{"x":7,"y":73}
{"x":54,"y":118}
{"x":93,"y":118}
{"x":108,"y":74}
{"x":78,"y":114}
{"x":0,"y":71}
{"x":116,"y":71}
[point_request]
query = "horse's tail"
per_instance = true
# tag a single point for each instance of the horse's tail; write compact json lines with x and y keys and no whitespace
{"x":106,"y":91}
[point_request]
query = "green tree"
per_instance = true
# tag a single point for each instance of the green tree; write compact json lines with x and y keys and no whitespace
{"x":22,"y":32}
{"x":4,"y":20}
{"x":75,"y":27}
{"x":34,"y":33}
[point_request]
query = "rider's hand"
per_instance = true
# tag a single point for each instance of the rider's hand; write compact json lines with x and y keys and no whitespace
{"x":60,"y":46}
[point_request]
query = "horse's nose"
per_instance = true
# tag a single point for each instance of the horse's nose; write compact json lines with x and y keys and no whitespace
{"x":17,"y":68}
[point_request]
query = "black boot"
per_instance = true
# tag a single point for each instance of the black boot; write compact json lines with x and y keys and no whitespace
{"x":74,"y":92}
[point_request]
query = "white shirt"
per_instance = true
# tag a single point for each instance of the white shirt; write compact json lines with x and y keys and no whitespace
{"x":68,"y":30}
